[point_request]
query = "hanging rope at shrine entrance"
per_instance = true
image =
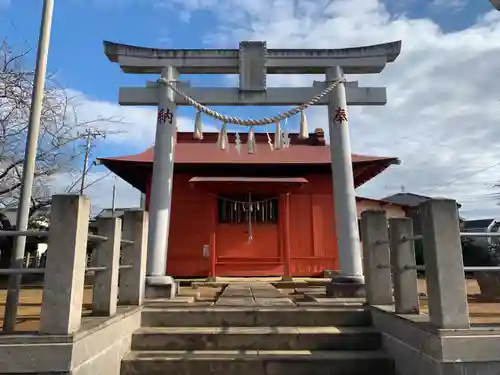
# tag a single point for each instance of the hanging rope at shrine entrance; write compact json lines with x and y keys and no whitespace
{"x":241,"y":202}
{"x":248,"y":211}
{"x":281,"y":139}
{"x":251,"y":122}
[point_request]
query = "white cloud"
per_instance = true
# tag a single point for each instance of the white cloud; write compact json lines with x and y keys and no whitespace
{"x":450,"y":4}
{"x":100,"y":189}
{"x":443,"y":102}
{"x":130,"y":127}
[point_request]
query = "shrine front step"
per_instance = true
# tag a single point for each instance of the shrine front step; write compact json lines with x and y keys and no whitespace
{"x":248,"y":290}
{"x":253,"y":294}
{"x":256,"y":338}
{"x":259,"y":362}
{"x":255,"y":316}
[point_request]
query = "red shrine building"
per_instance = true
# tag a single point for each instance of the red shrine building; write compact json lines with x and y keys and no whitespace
{"x":270,"y":213}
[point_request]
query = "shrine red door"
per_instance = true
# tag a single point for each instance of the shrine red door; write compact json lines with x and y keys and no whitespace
{"x":247,"y":236}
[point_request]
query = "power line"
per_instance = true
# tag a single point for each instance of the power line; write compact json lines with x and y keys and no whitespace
{"x":462,"y":177}
{"x":28,"y":46}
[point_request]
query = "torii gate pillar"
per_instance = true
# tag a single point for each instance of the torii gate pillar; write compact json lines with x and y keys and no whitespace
{"x":346,"y":217}
{"x":158,"y":284}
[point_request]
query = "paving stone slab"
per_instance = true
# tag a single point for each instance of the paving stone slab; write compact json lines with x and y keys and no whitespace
{"x":311,"y":290}
{"x":327,"y":305}
{"x":303,"y":298}
{"x":235,"y":302}
{"x":236,"y":295}
{"x":319,"y":282}
{"x":270,"y":294}
{"x":274,"y":302}
{"x":341,"y":300}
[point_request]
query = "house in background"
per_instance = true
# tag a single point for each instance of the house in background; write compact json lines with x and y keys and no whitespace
{"x":36,"y":247}
{"x":480,"y":226}
{"x":114,"y":212}
{"x":410,"y":202}
{"x":39,"y":219}
{"x":107,"y":213}
{"x":392,"y":210}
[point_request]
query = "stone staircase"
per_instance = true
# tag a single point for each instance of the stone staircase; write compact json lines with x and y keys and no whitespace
{"x":255,"y":329}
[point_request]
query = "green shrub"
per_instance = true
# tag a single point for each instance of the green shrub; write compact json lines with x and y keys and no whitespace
{"x":473,"y":254}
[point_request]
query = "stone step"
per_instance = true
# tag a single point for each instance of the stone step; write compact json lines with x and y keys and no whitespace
{"x":250,"y":317}
{"x":167,"y":301}
{"x":256,"y":338}
{"x":261,"y":362}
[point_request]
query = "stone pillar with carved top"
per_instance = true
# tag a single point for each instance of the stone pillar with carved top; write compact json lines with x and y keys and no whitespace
{"x":158,"y":284}
{"x":350,"y":280}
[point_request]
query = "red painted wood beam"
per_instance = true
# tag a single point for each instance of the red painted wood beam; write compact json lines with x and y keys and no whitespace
{"x":213,"y":247}
{"x":287,"y":236}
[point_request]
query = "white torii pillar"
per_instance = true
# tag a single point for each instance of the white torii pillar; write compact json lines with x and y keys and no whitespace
{"x":158,"y":284}
{"x":346,"y":217}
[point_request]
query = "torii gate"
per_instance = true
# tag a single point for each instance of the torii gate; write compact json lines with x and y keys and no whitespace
{"x":252,"y":61}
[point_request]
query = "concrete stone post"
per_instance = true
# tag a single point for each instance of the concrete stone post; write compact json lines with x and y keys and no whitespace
{"x":404,"y":274}
{"x":65,"y":265}
{"x":444,"y":268}
{"x":132,"y":280}
{"x":107,"y":254}
{"x":346,"y":217}
{"x":376,"y":258}
{"x":158,"y":284}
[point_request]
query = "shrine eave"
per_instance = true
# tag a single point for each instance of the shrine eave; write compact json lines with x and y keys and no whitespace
{"x":204,"y":153}
{"x":355,"y":60}
{"x":253,"y":184}
{"x":136,"y":169}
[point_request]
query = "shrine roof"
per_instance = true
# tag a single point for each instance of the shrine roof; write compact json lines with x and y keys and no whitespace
{"x":311,"y":155}
{"x":312,"y":151}
{"x":382,"y":202}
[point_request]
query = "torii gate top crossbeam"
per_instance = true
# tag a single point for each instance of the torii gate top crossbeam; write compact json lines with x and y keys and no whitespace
{"x":358,"y":60}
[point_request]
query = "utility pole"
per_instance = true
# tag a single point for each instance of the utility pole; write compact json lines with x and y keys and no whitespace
{"x":89,"y":135}
{"x":29,"y":165}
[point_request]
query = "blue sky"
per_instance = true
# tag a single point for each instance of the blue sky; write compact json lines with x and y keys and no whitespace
{"x":80,"y":26}
{"x":445,"y":32}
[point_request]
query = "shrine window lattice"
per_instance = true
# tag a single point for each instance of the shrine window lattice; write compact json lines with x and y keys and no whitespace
{"x":238,"y":209}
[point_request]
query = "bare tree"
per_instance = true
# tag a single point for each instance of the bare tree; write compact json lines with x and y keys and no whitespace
{"x":61,"y":134}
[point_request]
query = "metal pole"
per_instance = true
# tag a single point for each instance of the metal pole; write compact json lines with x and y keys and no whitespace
{"x":86,"y":161}
{"x":29,"y":164}
{"x":143,"y":201}
{"x":113,"y":199}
